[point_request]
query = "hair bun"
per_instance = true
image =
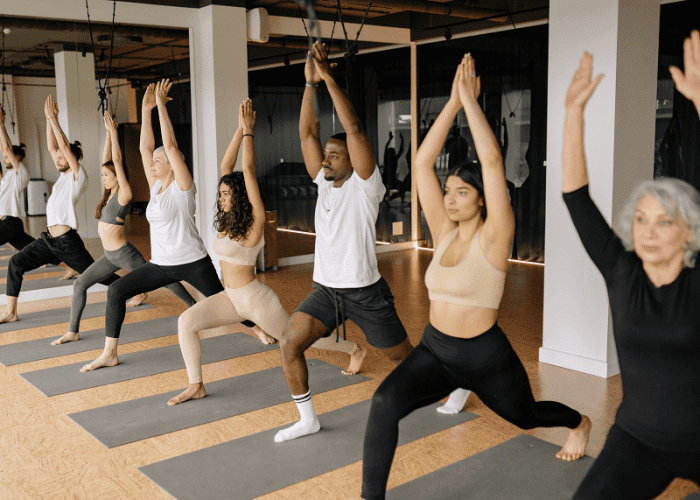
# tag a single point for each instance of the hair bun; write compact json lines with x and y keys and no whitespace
{"x":22,"y":145}
{"x":77,"y":143}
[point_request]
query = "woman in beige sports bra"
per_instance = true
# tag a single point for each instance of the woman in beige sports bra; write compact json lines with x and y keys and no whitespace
{"x":240,"y":222}
{"x":462,"y":346}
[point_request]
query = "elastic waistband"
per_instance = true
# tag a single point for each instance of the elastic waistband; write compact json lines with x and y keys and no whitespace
{"x":245,"y":292}
{"x":68,"y":233}
{"x":9,"y":217}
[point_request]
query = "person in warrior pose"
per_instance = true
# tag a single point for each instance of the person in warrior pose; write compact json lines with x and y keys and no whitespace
{"x":118,"y":253}
{"x":12,"y":184}
{"x":61,"y":242}
{"x":346,"y":278}
{"x":462,"y":346}
{"x":240,"y":222}
{"x":653,"y":285}
{"x":177,"y":251}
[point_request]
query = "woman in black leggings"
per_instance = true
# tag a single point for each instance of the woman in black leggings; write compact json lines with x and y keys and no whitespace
{"x":462,"y":347}
{"x":653,"y":286}
{"x":177,"y":251}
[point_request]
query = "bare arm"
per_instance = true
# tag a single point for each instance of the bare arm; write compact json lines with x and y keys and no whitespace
{"x":125,"y":194}
{"x":246,"y":120}
{"x":51,"y":143}
{"x":688,"y":84}
{"x":60,"y":137}
{"x":231,"y":156}
{"x":429,"y":189}
{"x":147,"y":142}
{"x":107,"y":151}
{"x":574,"y":173}
{"x":6,"y":144}
{"x":359,"y":147}
{"x":499,"y":227}
{"x":183,"y":178}
{"x":309,"y":126}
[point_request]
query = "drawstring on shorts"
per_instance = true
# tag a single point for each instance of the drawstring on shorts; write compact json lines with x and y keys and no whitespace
{"x":338,"y":301}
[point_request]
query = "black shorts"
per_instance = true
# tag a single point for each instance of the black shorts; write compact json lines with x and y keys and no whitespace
{"x":369,"y":307}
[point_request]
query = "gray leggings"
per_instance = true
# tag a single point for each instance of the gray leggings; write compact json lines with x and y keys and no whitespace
{"x":126,"y":257}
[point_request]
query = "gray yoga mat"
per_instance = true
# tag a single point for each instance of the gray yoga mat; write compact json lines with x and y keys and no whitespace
{"x":34,"y":350}
{"x":50,"y":269}
{"x":68,"y":378}
{"x":149,"y":417}
{"x":693,"y":496}
{"x":523,"y":467}
{"x":7,"y":251}
{"x":255,"y":465}
{"x":60,"y":315}
{"x":39,"y":284}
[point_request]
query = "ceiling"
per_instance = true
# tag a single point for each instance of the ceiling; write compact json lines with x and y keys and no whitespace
{"x":143,"y":54}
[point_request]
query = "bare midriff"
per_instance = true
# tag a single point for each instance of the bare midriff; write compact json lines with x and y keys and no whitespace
{"x":236,"y":275}
{"x":112,"y":235}
{"x":461,"y":321}
{"x":58,"y":230}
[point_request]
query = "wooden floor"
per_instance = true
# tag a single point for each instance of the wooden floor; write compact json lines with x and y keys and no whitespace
{"x":44,"y":455}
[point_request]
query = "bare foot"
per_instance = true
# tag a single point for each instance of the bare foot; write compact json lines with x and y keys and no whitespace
{"x":194,"y":391}
{"x":264,"y":337}
{"x":103,"y":360}
{"x":70,"y":274}
{"x":356,"y":360}
{"x":68,"y":337}
{"x":575,"y":446}
{"x":9,"y":317}
{"x":136,"y":300}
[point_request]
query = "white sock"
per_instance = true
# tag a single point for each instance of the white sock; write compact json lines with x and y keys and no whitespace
{"x":456,"y":401}
{"x":308,"y":424}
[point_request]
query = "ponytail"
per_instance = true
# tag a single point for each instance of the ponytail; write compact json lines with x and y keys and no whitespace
{"x":20,"y":151}
{"x":77,"y":150}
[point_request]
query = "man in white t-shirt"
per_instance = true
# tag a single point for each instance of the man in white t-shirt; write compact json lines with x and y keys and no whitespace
{"x":347,"y":283}
{"x":61,"y":241}
{"x":11,"y":186}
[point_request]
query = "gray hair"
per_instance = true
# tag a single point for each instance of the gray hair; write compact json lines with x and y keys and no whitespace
{"x":162,"y":150}
{"x":680,"y":200}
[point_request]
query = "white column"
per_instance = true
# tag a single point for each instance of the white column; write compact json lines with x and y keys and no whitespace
{"x":219,"y":81}
{"x":623,"y":37}
{"x":76,"y":96}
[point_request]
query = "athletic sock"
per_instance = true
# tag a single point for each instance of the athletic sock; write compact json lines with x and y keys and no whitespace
{"x":308,"y":424}
{"x":456,"y":401}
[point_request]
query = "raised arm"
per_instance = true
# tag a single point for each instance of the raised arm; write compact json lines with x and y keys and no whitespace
{"x":429,"y":189}
{"x":51,"y":143}
{"x":107,"y":151}
{"x":183,"y":178}
{"x":398,"y":155}
{"x":309,"y":126}
{"x":6,"y":144}
{"x":688,"y":83}
{"x":499,"y":226}
{"x":574,"y":173}
{"x":51,"y":110}
{"x":231,"y":156}
{"x":124,"y":194}
{"x":246,"y":120}
{"x":147,"y":142}
{"x":359,"y":147}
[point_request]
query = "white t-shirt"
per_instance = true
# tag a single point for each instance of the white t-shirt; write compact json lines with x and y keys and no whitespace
{"x":11,"y":186}
{"x":60,"y":209}
{"x":345,"y":231}
{"x":174,"y":237}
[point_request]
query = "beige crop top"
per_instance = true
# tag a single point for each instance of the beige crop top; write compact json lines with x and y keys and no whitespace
{"x":231,"y":251}
{"x":474,"y":281}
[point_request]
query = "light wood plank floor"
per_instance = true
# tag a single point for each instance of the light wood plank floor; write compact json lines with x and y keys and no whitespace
{"x":44,"y":455}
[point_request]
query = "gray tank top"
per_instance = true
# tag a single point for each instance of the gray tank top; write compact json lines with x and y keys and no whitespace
{"x":112,"y":210}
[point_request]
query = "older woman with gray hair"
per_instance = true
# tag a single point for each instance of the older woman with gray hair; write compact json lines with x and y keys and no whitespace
{"x":654,"y":291}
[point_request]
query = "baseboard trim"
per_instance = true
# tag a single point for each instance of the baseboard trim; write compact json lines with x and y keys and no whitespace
{"x":579,"y":363}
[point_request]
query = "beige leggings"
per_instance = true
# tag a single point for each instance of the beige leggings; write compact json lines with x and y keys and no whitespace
{"x":255,"y":302}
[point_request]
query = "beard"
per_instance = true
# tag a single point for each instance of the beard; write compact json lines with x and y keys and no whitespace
{"x":63,"y":169}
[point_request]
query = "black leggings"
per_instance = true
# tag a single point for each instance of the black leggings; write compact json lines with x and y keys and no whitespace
{"x":626,"y":469}
{"x":68,"y":248}
{"x":200,"y":274}
{"x":12,"y":232}
{"x":486,"y":365}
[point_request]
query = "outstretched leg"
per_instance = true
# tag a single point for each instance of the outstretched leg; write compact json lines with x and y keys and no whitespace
{"x":302,"y":330}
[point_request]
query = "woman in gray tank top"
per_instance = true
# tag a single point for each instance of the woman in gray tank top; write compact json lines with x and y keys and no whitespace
{"x":118,"y":252}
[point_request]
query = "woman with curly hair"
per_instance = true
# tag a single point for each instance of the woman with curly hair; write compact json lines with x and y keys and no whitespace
{"x":118,"y":253}
{"x":240,"y":221}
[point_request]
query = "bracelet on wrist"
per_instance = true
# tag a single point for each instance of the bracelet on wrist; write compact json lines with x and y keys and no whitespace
{"x":315,"y":85}
{"x":249,"y":135}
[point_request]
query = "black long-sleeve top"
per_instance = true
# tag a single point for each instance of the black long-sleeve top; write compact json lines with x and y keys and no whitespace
{"x":657,"y":334}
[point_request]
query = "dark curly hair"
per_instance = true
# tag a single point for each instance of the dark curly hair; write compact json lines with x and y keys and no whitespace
{"x":239,"y":220}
